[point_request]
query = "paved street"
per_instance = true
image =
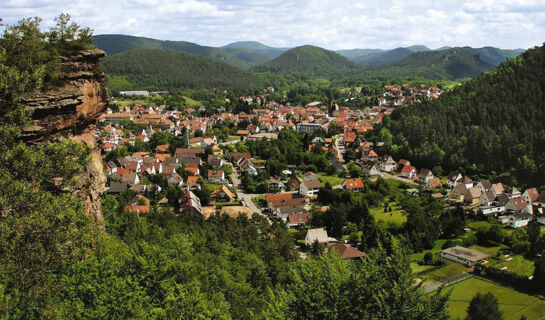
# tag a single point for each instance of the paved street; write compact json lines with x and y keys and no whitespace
{"x":246,"y":198}
{"x":386,"y":175}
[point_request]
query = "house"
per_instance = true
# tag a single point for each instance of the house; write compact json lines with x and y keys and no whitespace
{"x":223,"y":194}
{"x":371,"y":168}
{"x":309,"y":188}
{"x":403,"y":162}
{"x":465,"y":256}
{"x":370,"y":155}
{"x":175,"y":179}
{"x":310,"y":176}
{"x":459,"y":192}
{"x":317,"y":235}
{"x":354,"y":184}
{"x":433,"y":183}
{"x":189,"y":203}
{"x":541,"y":199}
{"x":530,"y":195}
{"x":465,"y":180}
{"x":516,"y":204}
{"x":518,"y":220}
{"x":452,"y":178}
{"x":215,"y":161}
{"x":491,"y":210}
{"x":497,"y":189}
{"x":293,"y":183}
{"x":284,"y":211}
{"x":236,"y":156}
{"x":472,"y":196}
{"x":216,"y":176}
{"x":346,"y":252}
{"x":117,"y":187}
{"x":112,"y":167}
{"x":138,"y":204}
{"x":269,"y":197}
{"x":424,"y":175}
{"x":298,"y":220}
{"x":487,"y":197}
{"x":131,"y":178}
{"x":408,"y":172}
{"x":275,"y":184}
{"x":513,"y":193}
{"x":484,"y":185}
{"x":192,"y":183}
{"x":388,"y":164}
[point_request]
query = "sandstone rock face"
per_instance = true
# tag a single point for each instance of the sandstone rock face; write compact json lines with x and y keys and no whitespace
{"x":69,"y":111}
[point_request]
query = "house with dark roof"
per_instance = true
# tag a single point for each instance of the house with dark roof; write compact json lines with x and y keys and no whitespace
{"x":309,"y":188}
{"x":346,"y":252}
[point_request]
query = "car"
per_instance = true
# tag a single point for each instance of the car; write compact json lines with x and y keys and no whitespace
{"x":247,"y":205}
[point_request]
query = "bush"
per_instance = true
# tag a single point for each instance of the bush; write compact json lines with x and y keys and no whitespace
{"x":520,"y":247}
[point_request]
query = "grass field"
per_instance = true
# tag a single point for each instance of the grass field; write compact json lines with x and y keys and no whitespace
{"x":477,"y":224}
{"x":435,"y":250}
{"x":416,"y":268}
{"x":448,"y":270}
{"x":333,"y":180}
{"x":396,"y":216}
{"x":512,"y":303}
{"x":518,"y":264}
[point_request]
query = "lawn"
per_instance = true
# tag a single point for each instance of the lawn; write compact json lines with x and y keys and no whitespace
{"x":477,"y":224}
{"x":512,"y":303}
{"x":435,"y":250}
{"x":448,"y":270}
{"x":492,"y":251}
{"x":396,"y":216}
{"x":518,"y":264}
{"x":333,"y":180}
{"x":416,"y":268}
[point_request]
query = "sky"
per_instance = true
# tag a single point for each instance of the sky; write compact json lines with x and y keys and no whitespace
{"x":336,"y":24}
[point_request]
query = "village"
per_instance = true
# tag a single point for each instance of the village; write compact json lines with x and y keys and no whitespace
{"x":207,"y":174}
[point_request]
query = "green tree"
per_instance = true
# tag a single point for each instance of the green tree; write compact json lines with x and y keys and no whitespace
{"x":485,"y":307}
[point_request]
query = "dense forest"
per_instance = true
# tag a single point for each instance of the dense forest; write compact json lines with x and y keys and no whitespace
{"x":158,"y":69}
{"x":57,"y":264}
{"x":493,"y":124}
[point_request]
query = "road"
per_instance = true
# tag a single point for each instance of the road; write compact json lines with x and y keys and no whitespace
{"x":246,"y":198}
{"x":339,"y":143}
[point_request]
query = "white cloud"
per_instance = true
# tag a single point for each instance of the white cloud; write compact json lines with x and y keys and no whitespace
{"x":332,"y":24}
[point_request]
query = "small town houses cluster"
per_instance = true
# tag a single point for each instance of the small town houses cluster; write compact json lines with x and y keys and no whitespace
{"x":512,"y":207}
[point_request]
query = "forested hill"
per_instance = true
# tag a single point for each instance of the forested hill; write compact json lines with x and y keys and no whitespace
{"x":493,"y":125}
{"x":310,"y":60}
{"x":115,"y":44}
{"x":159,"y":69}
{"x":455,"y":63}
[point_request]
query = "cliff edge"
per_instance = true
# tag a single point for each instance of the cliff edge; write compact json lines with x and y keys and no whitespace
{"x":70,"y":111}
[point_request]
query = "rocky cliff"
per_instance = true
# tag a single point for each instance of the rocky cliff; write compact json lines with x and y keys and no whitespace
{"x":69,"y":111}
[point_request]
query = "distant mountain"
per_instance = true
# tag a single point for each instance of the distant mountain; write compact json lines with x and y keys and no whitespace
{"x":309,"y":60}
{"x":455,"y":63}
{"x":418,"y":48}
{"x":443,"y":48}
{"x":493,"y":55}
{"x":114,"y":44}
{"x":254,"y":46}
{"x":160,"y":69}
{"x":354,"y":54}
{"x":385,"y":57}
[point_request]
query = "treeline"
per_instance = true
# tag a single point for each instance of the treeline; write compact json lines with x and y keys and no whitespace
{"x":157,"y":69}
{"x":493,"y":125}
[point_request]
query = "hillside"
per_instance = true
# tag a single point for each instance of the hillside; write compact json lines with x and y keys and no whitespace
{"x":115,"y":44}
{"x":493,"y":55}
{"x":160,"y":69}
{"x":384,"y":57}
{"x":256,"y":47}
{"x":492,"y":125}
{"x":355,"y":54}
{"x":309,"y":60}
{"x":451,"y":64}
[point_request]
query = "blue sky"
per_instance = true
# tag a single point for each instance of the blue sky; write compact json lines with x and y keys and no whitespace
{"x":338,"y":24}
